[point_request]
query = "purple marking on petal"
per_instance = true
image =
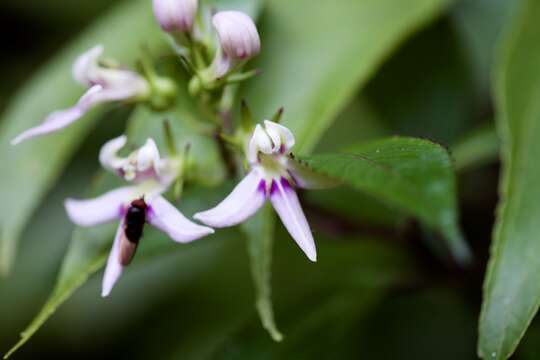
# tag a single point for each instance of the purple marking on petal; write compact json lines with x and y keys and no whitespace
{"x":262,"y":187}
{"x":294,"y":179}
{"x":285,"y":183}
{"x":122,"y":210}
{"x":273,"y":187}
{"x":150,"y":213}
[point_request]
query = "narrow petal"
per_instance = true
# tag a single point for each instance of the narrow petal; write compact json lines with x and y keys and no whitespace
{"x":168,"y":219}
{"x":104,"y":208}
{"x":114,"y":268}
{"x":59,"y":119}
{"x":246,"y":198}
{"x":286,"y":204}
{"x":105,"y":94}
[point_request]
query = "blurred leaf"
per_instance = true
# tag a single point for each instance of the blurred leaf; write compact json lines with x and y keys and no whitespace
{"x":477,"y":148}
{"x":58,"y":12}
{"x":87,"y":253}
{"x":312,"y":63}
{"x":39,"y":162}
{"x":359,"y":121}
{"x":412,"y":174}
{"x":512,"y":283}
{"x":434,"y":98}
{"x":480,"y":24}
{"x":433,"y":323}
{"x":259,"y":231}
{"x":316,"y":302}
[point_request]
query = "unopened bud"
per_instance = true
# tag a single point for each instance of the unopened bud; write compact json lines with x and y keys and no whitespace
{"x":238,"y":35}
{"x":175,"y":15}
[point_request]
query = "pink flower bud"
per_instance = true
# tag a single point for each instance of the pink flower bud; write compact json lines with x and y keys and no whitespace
{"x":238,"y":35}
{"x":175,"y":15}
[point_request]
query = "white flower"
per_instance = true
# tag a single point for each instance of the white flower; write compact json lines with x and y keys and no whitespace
{"x":151,"y":176}
{"x":175,"y":15}
{"x":273,"y":176}
{"x":104,"y":85}
{"x":238,"y":38}
{"x":142,"y":164}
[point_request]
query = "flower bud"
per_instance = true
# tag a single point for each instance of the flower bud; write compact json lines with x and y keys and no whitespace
{"x":272,"y":139}
{"x":237,"y":34}
{"x":175,"y":15}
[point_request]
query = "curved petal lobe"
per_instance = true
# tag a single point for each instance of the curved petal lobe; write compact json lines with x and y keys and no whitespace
{"x":60,"y":119}
{"x":246,"y":198}
{"x":108,"y":155}
{"x":99,"y":210}
{"x":113,"y":270}
{"x":168,"y":219}
{"x":285,"y":202}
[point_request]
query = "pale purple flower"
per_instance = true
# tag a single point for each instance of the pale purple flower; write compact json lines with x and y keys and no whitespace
{"x":104,"y":85}
{"x":238,"y":38}
{"x":273,"y":176}
{"x":151,"y":176}
{"x":175,"y":15}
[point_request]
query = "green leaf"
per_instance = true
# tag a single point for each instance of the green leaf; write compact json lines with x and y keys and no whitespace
{"x":87,"y":254}
{"x":259,"y":231}
{"x":312,"y":63}
{"x":480,"y":24}
{"x":39,"y":162}
{"x":412,"y":174}
{"x":315,"y":308}
{"x":477,"y":148}
{"x":512,"y":283}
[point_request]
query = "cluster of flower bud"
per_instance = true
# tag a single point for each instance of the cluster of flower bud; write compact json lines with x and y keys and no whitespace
{"x":237,"y":40}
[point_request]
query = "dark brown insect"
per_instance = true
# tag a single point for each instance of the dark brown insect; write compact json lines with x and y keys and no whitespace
{"x":133,"y":230}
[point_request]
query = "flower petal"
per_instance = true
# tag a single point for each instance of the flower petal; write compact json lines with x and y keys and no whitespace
{"x":103,"y":94}
{"x":237,"y":34}
{"x":281,"y":136}
{"x":148,"y":156}
{"x":86,"y":64}
{"x":108,"y":157}
{"x":175,"y":15}
{"x":59,"y":119}
{"x":168,"y":219}
{"x":246,"y":198}
{"x":286,"y":204}
{"x":260,"y":141}
{"x":114,"y":268}
{"x":99,"y":210}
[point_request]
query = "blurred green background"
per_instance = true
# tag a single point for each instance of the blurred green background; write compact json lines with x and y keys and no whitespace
{"x":380,"y":290}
